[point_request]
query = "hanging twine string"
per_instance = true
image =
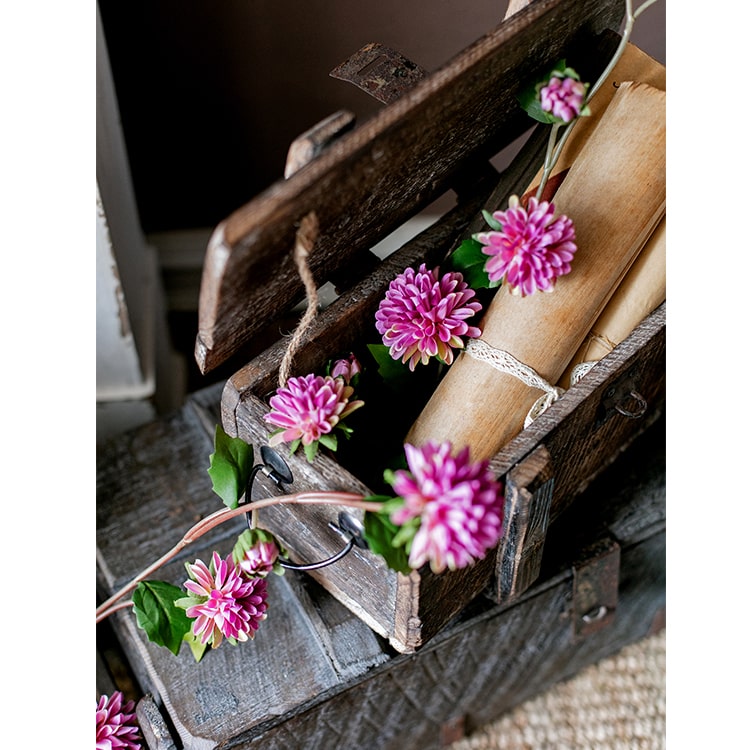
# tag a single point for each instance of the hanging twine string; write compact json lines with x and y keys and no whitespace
{"x":303,"y":245}
{"x":506,"y":362}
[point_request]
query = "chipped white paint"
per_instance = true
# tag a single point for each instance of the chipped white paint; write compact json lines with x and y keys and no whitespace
{"x":118,"y":367}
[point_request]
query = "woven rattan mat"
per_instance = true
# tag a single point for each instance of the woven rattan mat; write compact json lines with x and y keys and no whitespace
{"x":616,"y":704}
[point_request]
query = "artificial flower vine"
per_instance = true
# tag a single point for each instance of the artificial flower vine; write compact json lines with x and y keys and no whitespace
{"x":447,"y":513}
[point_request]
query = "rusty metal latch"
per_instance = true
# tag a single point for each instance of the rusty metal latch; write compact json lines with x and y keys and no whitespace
{"x":596,"y":578}
{"x":380,"y":71}
{"x":622,"y":397}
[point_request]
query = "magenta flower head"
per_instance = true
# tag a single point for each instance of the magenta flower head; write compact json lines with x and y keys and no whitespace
{"x":459,"y":505}
{"x":563,"y":95}
{"x":260,"y":559}
{"x":223,"y":602}
{"x":422,"y":316}
{"x":116,"y":726}
{"x":532,"y":247}
{"x":308,"y":409}
{"x":346,"y":368}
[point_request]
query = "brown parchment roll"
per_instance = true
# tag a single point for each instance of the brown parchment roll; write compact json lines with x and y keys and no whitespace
{"x":641,"y":292}
{"x":615,"y":193}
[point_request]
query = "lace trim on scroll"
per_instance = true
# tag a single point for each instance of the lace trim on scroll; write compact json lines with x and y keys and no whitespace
{"x":583,"y":368}
{"x":506,"y":362}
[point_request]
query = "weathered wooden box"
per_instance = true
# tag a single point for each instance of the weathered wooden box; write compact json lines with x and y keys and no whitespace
{"x":361,"y":656}
{"x":364,"y":185}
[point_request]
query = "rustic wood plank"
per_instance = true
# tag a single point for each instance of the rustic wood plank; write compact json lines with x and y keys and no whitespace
{"x":352,"y":649}
{"x":528,"y":498}
{"x":474,"y":673}
{"x":582,"y":436}
{"x":155,"y":730}
{"x":165,"y":461}
{"x":310,"y":144}
{"x":390,"y":167}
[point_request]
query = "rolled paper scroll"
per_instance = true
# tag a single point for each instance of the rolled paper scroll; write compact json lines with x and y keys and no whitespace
{"x":641,"y":292}
{"x":615,"y":193}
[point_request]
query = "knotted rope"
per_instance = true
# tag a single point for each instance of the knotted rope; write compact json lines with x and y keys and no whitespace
{"x":303,"y":245}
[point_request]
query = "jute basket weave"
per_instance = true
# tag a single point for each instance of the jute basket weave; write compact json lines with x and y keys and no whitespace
{"x":616,"y":704}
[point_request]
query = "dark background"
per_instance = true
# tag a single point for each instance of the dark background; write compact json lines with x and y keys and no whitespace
{"x":211,"y":94}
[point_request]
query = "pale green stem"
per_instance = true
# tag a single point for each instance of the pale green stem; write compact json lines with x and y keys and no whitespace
{"x":630,"y":17}
{"x":549,"y":161}
{"x":348,"y":499}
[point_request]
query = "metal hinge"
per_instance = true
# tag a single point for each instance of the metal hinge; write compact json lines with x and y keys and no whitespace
{"x":596,"y":579}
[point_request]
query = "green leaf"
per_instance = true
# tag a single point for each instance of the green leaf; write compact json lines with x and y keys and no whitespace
{"x":231,"y":464}
{"x":394,"y":372}
{"x":530,"y":102}
{"x":405,"y":534}
{"x":311,"y":450}
{"x":470,"y":261}
{"x":379,"y":534}
{"x":492,"y":221}
{"x":197,"y":648}
{"x":329,"y":441}
{"x":157,"y":614}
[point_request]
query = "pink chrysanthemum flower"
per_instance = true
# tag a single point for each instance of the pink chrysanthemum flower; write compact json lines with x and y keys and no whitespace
{"x":532,"y":249}
{"x":563,"y":97}
{"x":224,"y":602}
{"x":459,"y":503}
{"x":309,"y":407}
{"x":346,"y":368}
{"x":260,"y":559}
{"x":116,"y":724}
{"x":422,"y":316}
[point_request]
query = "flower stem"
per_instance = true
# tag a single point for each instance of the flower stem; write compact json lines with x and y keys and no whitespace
{"x":549,"y":162}
{"x":348,"y":499}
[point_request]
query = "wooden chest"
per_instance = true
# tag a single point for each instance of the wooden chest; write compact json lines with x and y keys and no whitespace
{"x":435,"y":134}
{"x":579,"y":570}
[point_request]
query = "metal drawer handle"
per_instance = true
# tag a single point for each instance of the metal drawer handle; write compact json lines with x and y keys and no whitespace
{"x":595,"y":614}
{"x":277,"y":470}
{"x":640,"y":406}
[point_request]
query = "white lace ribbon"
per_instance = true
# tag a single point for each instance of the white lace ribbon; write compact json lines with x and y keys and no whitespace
{"x":581,"y":369}
{"x":506,"y":362}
